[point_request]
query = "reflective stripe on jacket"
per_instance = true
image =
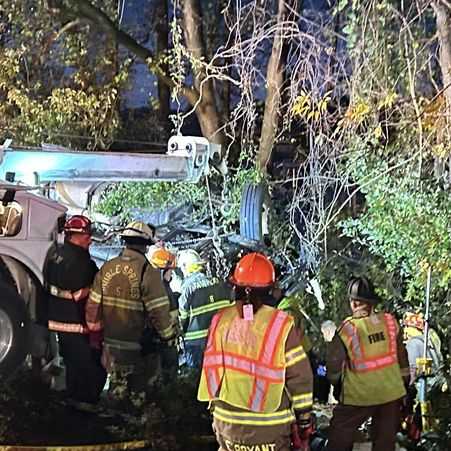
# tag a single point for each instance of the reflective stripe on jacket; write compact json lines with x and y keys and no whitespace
{"x":372,"y":375}
{"x":75,"y":328}
{"x":246,"y":368}
{"x":201,"y":298}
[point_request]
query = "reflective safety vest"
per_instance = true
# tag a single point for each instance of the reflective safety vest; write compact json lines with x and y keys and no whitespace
{"x":372,"y":375}
{"x":244,"y":364}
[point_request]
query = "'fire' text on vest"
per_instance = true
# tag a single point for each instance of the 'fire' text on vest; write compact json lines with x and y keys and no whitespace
{"x":374,"y":338}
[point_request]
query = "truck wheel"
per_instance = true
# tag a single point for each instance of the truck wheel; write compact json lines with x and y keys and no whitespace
{"x":14,"y":333}
{"x":254,"y":212}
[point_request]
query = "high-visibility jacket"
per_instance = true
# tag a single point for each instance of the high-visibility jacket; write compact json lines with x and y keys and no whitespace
{"x":68,"y":271}
{"x":250,"y":374}
{"x":127,"y":295}
{"x":200,"y":299}
{"x":372,"y":375}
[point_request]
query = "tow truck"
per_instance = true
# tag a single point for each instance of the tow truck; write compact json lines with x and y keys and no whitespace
{"x":39,"y":186}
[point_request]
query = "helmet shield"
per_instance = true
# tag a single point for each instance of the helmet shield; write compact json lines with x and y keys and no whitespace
{"x":189,"y":261}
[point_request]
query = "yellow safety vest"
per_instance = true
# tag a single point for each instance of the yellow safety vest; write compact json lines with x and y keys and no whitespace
{"x":244,"y":361}
{"x":372,"y":375}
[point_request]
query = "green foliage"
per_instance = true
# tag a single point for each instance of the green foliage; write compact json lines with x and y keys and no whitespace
{"x":49,"y":90}
{"x":69,"y":110}
{"x":406,"y":223}
{"x":121,"y":198}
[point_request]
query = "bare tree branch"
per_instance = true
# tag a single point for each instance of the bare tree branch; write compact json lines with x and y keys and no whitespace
{"x":83,"y":8}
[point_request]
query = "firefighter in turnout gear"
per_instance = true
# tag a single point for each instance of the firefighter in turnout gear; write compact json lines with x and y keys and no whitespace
{"x":163,"y":260}
{"x":255,"y":373}
{"x":128,"y":302}
{"x":68,"y":274}
{"x":201,"y":297}
{"x":368,"y":355}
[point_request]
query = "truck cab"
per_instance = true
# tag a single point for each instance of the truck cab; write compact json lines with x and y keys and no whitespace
{"x":28,"y":228}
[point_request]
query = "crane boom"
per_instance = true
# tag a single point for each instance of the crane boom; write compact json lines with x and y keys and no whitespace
{"x":188,"y":159}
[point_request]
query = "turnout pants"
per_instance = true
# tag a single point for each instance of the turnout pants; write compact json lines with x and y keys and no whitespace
{"x":130,"y":372}
{"x":236,"y":437}
{"x":347,"y":419}
{"x":85,"y":376}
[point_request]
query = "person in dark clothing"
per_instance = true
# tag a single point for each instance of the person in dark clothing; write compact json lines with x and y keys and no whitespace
{"x":68,"y":274}
{"x":163,"y":260}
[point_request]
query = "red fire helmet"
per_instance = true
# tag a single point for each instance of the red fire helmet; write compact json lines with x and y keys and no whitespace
{"x":78,"y":224}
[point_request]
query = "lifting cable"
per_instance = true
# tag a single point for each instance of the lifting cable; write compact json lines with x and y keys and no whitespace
{"x":134,"y":444}
{"x":216,"y":239}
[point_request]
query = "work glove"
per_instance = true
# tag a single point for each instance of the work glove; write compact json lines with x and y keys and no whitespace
{"x":305,"y":424}
{"x":301,"y":432}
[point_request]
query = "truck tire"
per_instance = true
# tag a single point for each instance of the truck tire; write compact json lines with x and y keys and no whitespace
{"x":253,"y":212}
{"x":14,"y":330}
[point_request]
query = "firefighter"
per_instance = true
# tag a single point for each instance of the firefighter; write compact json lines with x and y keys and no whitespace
{"x":68,"y":274}
{"x":255,"y":374}
{"x":367,"y":353}
{"x":163,"y":260}
{"x":128,"y":302}
{"x":201,"y":297}
{"x":160,"y":258}
{"x":413,"y":326}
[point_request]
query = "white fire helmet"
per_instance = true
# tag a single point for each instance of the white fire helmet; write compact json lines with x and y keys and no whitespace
{"x":189,"y":261}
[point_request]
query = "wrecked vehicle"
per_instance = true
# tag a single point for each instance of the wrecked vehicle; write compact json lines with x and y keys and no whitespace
{"x":41,"y":185}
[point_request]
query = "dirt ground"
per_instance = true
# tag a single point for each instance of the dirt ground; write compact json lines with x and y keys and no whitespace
{"x":33,"y":415}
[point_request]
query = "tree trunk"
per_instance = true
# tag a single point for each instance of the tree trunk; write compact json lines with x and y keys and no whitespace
{"x":274,"y":82}
{"x":443,"y":22}
{"x":206,"y":109}
{"x":161,"y":39}
{"x":203,"y":99}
